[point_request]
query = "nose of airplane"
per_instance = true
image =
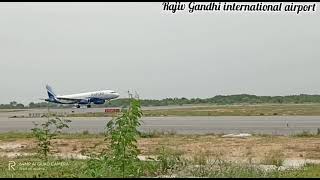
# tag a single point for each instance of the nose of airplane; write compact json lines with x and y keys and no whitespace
{"x":117,"y":95}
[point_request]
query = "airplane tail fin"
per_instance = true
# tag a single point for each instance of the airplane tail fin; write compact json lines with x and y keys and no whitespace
{"x":51,"y":94}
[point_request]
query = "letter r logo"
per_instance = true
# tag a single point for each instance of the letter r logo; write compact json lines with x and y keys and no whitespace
{"x":11,"y":165}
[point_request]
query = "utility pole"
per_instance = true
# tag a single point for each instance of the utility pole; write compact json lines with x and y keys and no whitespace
{"x":129,"y":94}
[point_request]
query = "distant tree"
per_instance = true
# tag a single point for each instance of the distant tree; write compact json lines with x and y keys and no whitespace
{"x":13,"y":103}
{"x":31,"y":105}
{"x":19,"y":106}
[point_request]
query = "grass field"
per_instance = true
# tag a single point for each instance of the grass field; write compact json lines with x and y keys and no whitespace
{"x":181,"y":155}
{"x":79,"y":169}
{"x":10,"y":110}
{"x":241,"y":110}
{"x":228,"y":110}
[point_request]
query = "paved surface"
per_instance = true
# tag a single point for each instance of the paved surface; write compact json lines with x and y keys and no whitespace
{"x":281,"y":125}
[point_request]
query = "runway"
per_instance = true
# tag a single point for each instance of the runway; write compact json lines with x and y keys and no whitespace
{"x":277,"y":125}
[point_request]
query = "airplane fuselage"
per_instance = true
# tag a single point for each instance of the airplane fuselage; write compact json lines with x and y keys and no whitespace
{"x":105,"y":95}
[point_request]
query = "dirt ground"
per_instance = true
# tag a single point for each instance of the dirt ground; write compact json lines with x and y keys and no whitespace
{"x":253,"y":148}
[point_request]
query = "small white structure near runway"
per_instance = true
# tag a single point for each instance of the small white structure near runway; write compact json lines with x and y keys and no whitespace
{"x":237,"y":135}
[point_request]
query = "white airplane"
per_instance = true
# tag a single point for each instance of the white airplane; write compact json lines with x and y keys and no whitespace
{"x":96,"y":97}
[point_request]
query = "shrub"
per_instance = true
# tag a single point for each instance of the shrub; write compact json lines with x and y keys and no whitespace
{"x":124,"y":132}
{"x":274,"y":157}
{"x":46,"y":132}
{"x":169,"y":161}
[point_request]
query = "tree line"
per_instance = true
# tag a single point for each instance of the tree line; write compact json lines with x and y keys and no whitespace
{"x":218,"y":100}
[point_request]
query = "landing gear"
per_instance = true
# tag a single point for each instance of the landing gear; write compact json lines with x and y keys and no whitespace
{"x":78,"y":106}
{"x":88,"y":106}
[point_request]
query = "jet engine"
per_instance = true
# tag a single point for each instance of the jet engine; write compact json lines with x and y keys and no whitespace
{"x":98,"y":101}
{"x":84,"y":101}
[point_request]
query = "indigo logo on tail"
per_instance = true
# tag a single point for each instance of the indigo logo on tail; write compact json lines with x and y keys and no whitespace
{"x":51,"y":94}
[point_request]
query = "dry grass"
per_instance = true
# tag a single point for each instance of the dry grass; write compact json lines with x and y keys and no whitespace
{"x":254,"y":149}
{"x":273,"y":157}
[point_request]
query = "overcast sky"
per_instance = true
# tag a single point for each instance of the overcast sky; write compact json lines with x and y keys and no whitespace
{"x":78,"y":47}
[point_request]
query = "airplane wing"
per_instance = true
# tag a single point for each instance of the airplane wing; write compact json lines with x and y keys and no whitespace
{"x":69,"y":99}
